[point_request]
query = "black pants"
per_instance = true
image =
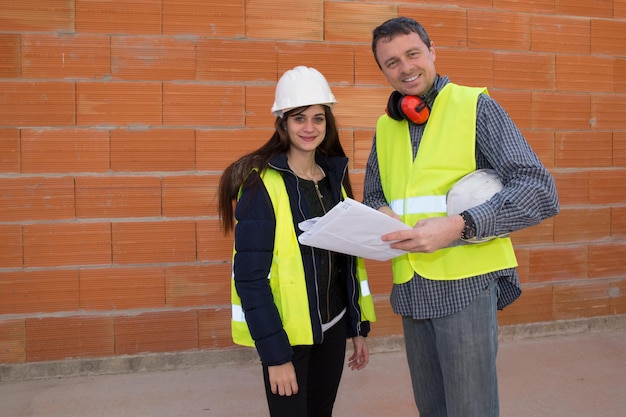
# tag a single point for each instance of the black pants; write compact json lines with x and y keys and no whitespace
{"x":318,"y":371}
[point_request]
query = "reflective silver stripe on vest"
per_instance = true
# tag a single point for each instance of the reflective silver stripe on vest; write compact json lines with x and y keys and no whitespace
{"x":365,"y":288}
{"x":238,"y":314}
{"x":237,"y":310}
{"x":422,"y":204}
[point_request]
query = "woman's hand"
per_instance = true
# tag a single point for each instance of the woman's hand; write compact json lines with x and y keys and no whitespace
{"x":361,"y":355}
{"x":283,"y":379}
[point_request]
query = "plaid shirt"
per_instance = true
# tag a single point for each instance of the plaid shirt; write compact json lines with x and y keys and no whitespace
{"x":529,"y":196}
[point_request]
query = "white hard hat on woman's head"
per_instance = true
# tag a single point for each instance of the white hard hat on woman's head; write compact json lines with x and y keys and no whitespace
{"x":301,"y":86}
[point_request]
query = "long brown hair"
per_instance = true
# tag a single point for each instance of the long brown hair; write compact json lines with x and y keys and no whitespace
{"x":236,"y":173}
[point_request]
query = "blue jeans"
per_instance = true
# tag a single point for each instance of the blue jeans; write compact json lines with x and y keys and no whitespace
{"x":452,"y":360}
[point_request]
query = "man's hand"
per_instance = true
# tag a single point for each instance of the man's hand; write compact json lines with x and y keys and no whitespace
{"x":283,"y":379}
{"x":427,"y":235}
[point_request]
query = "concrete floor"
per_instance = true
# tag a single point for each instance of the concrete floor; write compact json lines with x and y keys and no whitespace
{"x":575,"y":375}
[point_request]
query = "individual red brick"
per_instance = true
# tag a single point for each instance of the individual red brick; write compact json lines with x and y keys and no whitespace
{"x":36,"y":15}
{"x":608,"y":37}
{"x":607,"y":260}
{"x":535,"y":235}
{"x":37,"y":104}
{"x":258,"y":103}
{"x":353,"y":22}
{"x":387,"y":322}
{"x":498,"y":30}
{"x":36,"y":198}
{"x":607,"y":187}
{"x":619,"y":149}
{"x":10,"y":52}
{"x":153,"y":150}
{"x":13,"y":341}
{"x":335,"y":61}
{"x":154,"y":242}
{"x":203,"y":105}
{"x":517,"y":105}
{"x":352,"y":110}
{"x":619,"y":9}
{"x":558,"y":263}
{"x":61,"y":244}
{"x":150,"y":58}
{"x":573,"y":187}
{"x":542,"y":143}
{"x":582,"y":225}
{"x":118,"y":197}
{"x":190,"y":195}
{"x":198,"y":285}
{"x":580,"y":73}
{"x":607,"y":111}
{"x":618,"y":222}
{"x":584,"y":149}
{"x":204,"y":18}
{"x":534,"y":305}
{"x":167,"y":331}
{"x":525,"y":6}
{"x":64,"y":55}
{"x":563,"y":34}
{"x":218,"y":148}
{"x":214,"y":329}
{"x":446,"y":26}
{"x":65,"y":150}
{"x":55,"y":338}
{"x":580,"y":299}
{"x":43,"y":291}
{"x":275,"y":20}
{"x":598,"y":8}
{"x":122,"y":288}
{"x":116,"y":103}
{"x":468,"y":67}
{"x":212,"y":244}
{"x":617,"y":297}
{"x":366,"y":70}
{"x":255,"y":61}
{"x":363,"y":139}
{"x":346,"y":138}
{"x":519,"y":70}
{"x":357,"y":178}
{"x":10,"y":246}
{"x":118,"y":16}
{"x":619,"y":75}
{"x":9,"y":150}
{"x":561,"y":111}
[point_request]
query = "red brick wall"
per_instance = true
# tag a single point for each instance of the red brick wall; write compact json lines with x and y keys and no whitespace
{"x":117,"y":117}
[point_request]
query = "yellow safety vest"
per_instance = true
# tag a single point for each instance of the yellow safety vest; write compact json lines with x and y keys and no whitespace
{"x":417,"y":189}
{"x":286,"y":276}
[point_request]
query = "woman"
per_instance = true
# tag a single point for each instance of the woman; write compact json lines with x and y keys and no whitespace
{"x":296,"y":304}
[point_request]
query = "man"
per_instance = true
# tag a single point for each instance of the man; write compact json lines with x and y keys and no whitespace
{"x":447,"y":291}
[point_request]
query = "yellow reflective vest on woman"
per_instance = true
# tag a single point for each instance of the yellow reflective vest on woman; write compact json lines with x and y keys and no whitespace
{"x":416,"y":189}
{"x":287,"y":277}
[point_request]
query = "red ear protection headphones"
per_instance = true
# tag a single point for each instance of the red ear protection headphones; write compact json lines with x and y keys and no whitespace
{"x":411,"y":108}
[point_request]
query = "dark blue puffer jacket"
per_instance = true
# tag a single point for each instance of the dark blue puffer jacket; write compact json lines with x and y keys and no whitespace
{"x":254,"y":244}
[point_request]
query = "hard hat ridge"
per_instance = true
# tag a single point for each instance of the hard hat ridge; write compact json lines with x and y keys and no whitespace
{"x":301,"y":86}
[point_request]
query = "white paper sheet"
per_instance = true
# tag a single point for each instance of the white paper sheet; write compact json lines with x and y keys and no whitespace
{"x":352,"y":228}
